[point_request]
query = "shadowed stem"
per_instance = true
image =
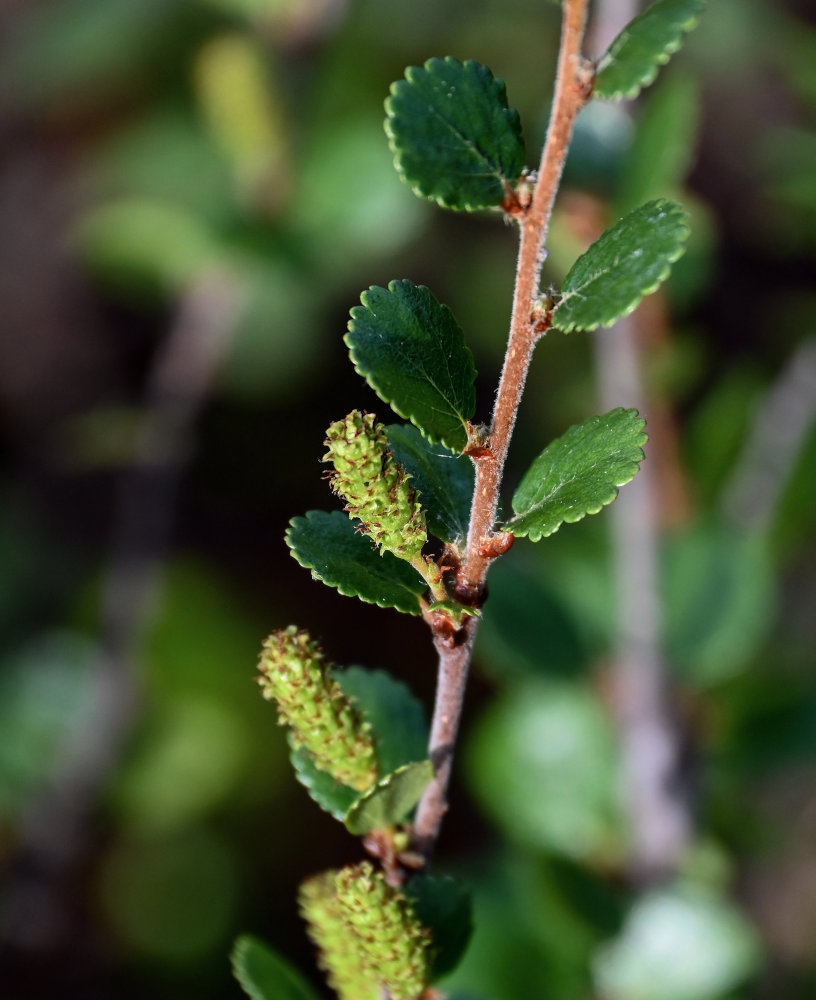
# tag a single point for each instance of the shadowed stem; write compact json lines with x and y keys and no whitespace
{"x":573,"y":86}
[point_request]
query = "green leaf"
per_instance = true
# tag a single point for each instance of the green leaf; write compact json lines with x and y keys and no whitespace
{"x":411,"y":351}
{"x":396,"y":716}
{"x":454,"y":138}
{"x":330,"y":546}
{"x":390,"y":800}
{"x":578,"y":473}
{"x":333,"y":797}
{"x":633,"y":59}
{"x":543,"y":763}
{"x":629,"y":261}
{"x":398,"y":723}
{"x":444,"y":906}
{"x":720,"y":600}
{"x":265,"y":975}
{"x":681,"y":942}
{"x":664,"y":145}
{"x":443,"y":479}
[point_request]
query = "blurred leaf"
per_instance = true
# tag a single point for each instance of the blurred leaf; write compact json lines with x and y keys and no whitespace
{"x":454,"y":138}
{"x":396,"y":716}
{"x":716,"y":428}
{"x":411,"y":351}
{"x":597,"y":152}
{"x":443,"y":479}
{"x":719,"y":600}
{"x":444,"y":906}
{"x":332,"y":797}
{"x":266,"y":975}
{"x":345,"y":186}
{"x":678,"y":943}
{"x":147,"y":245}
{"x":388,"y":803}
{"x":578,"y":473}
{"x":528,"y":935}
{"x":46,"y":699}
{"x":96,"y":48}
{"x":241,"y":103}
{"x":526,"y":627}
{"x":265,"y":358}
{"x":189,"y":758}
{"x":543,"y":764}
{"x":171,"y":900}
{"x":166,"y":156}
{"x":663,"y":149}
{"x":629,"y":261}
{"x":633,"y":59}
{"x":337,"y":554}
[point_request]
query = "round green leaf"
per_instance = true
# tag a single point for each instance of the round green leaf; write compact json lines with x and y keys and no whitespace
{"x":455,"y":140}
{"x":337,"y":554}
{"x":629,"y":261}
{"x":543,"y":763}
{"x":444,"y":906}
{"x":266,"y":975}
{"x":633,"y":59}
{"x":443,"y":480}
{"x":678,"y":943}
{"x":578,"y":473}
{"x":390,"y":800}
{"x":396,"y":716}
{"x":333,"y":797}
{"x":411,"y":351}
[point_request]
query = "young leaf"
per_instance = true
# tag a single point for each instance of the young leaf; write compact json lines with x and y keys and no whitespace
{"x":578,"y":473}
{"x":329,"y":545}
{"x":396,"y":716}
{"x":633,"y":59}
{"x":390,"y":800}
{"x":333,"y":797}
{"x":411,"y":351}
{"x":663,"y":147}
{"x":444,"y":906}
{"x":454,"y":138}
{"x":629,"y":261}
{"x":265,"y":975}
{"x":443,"y":480}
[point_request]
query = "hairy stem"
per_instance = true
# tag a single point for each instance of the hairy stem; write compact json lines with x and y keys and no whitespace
{"x":573,"y":87}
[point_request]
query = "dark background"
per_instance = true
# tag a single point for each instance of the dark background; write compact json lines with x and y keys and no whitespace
{"x":193,"y":193}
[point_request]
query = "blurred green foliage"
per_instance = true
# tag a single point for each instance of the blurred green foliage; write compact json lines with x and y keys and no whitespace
{"x":244,"y":137}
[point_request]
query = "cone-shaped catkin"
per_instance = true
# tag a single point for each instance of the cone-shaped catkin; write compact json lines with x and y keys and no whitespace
{"x":338,"y":954}
{"x":392,"y":942}
{"x":294,"y":674}
{"x":375,"y":487}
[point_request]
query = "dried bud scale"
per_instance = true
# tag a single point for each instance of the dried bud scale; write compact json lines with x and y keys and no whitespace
{"x":294,"y":674}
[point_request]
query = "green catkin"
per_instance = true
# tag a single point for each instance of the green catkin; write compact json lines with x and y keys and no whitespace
{"x":375,"y":487}
{"x":392,"y":942}
{"x":294,"y":674}
{"x":338,"y":956}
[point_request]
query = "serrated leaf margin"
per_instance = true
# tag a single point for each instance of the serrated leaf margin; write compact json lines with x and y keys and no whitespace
{"x":675,"y":43}
{"x":610,"y":318}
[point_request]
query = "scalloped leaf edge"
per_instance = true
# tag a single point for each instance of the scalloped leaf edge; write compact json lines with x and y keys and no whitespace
{"x":613,"y":317}
{"x":535,"y":536}
{"x":681,"y":28}
{"x":342,"y":588}
{"x":424,"y":769}
{"x":399,"y":151}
